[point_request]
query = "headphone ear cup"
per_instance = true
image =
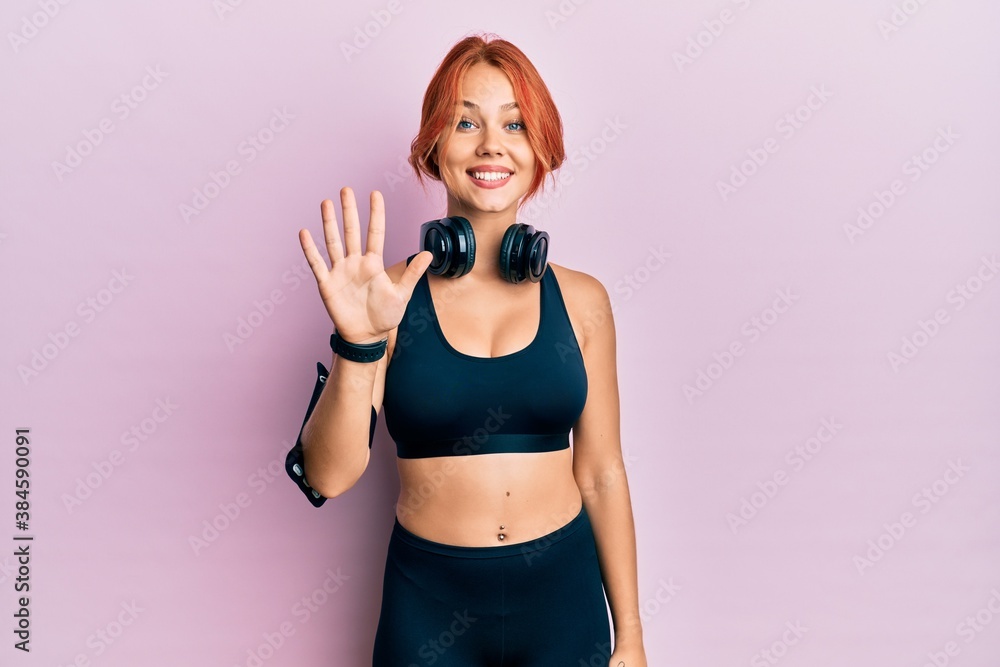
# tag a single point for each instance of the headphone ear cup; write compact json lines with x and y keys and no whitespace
{"x":452,"y":243}
{"x":509,"y":251}
{"x":436,"y":238}
{"x":465,"y":241}
{"x":523,"y":253}
{"x":535,"y":256}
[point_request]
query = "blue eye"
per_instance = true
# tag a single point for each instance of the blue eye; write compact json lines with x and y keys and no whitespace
{"x":465,"y":124}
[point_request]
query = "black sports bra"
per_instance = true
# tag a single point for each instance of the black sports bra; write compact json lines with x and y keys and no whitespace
{"x":441,"y":402}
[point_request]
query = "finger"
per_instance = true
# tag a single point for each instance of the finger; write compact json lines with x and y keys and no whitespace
{"x":352,"y":228}
{"x":376,"y":224}
{"x":411,"y":274}
{"x":331,"y":232}
{"x":315,"y":260}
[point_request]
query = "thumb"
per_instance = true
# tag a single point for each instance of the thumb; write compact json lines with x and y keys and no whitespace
{"x":416,"y":268}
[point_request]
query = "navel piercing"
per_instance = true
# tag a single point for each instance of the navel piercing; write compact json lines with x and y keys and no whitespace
{"x":500,"y":536}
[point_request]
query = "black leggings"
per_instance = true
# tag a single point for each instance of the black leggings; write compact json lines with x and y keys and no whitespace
{"x":532,"y":604}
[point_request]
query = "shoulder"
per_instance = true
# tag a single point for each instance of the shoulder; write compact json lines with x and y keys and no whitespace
{"x":582,"y":288}
{"x":587,"y":301}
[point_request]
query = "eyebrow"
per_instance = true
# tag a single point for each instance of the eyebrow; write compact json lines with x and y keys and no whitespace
{"x":503,"y":107}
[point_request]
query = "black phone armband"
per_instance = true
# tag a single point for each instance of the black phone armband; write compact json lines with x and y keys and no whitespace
{"x":295,"y":461}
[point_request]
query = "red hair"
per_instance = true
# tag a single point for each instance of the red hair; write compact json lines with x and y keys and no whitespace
{"x":541,"y":118}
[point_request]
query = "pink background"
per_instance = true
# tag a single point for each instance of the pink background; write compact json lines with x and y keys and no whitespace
{"x":650,"y":139}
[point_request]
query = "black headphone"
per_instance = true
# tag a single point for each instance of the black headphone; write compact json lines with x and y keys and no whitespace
{"x":451,"y":240}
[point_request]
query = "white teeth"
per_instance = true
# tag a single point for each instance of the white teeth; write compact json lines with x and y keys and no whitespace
{"x":490,"y":175}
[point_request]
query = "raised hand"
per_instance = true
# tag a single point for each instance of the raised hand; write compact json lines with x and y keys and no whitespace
{"x":360,"y":297}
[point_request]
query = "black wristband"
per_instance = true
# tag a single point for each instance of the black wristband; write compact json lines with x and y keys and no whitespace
{"x":365,"y":352}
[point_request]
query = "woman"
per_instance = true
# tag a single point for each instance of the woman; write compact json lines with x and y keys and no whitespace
{"x":503,"y":535}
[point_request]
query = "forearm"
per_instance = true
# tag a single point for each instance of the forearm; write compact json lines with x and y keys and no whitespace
{"x":335,"y":437}
{"x":609,"y":507}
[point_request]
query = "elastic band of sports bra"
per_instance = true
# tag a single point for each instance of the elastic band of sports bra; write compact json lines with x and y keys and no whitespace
{"x":516,"y":549}
{"x":489,"y":443}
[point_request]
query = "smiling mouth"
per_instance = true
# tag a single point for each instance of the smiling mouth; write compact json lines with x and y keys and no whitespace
{"x":489,"y":176}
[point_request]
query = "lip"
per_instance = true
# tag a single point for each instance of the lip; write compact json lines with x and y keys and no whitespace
{"x":489,"y":185}
{"x":490,"y":167}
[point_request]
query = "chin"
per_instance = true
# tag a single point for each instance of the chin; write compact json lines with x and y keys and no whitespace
{"x":493,"y":206}
{"x":496,"y":200}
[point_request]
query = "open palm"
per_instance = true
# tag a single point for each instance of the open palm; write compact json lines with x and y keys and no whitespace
{"x":362,"y":300}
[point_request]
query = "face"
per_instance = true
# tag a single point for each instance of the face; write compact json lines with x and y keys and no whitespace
{"x":488,"y":164}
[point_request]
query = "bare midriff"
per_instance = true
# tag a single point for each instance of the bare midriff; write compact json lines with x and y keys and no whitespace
{"x":487,"y":500}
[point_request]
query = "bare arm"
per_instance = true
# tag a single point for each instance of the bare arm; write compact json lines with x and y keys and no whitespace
{"x":599,"y":469}
{"x":365,"y":305}
{"x":336,"y":443}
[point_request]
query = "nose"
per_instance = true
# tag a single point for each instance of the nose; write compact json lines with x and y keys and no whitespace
{"x":491,"y":142}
